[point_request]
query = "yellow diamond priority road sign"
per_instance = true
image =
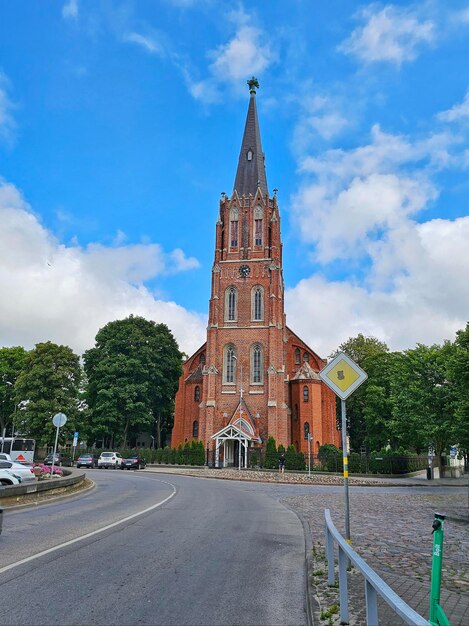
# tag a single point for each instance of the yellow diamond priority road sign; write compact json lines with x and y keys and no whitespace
{"x":343,"y":375}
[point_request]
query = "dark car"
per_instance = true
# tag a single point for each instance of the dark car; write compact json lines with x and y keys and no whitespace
{"x":133,"y":462}
{"x":87,"y":460}
{"x":60,"y":459}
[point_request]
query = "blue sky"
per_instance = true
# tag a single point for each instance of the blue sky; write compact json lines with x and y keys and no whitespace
{"x":121,"y":123}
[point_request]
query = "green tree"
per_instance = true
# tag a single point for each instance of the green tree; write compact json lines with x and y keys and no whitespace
{"x":377,"y":400}
{"x":458,"y":375}
{"x":133,"y":374}
{"x":363,"y":350}
{"x":423,"y":399}
{"x":48,"y":384}
{"x":11,"y":363}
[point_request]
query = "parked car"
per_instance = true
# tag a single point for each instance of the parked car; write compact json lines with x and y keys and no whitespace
{"x":134,"y":461}
{"x":60,"y":459}
{"x":4,"y":456}
{"x":87,"y":460}
{"x":110,"y":459}
{"x":7,"y":477}
{"x":26,"y":472}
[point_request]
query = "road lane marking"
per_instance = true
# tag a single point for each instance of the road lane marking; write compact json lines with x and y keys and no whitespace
{"x":91,"y":534}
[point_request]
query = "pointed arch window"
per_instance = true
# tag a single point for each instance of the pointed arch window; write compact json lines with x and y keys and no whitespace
{"x":231,"y":304}
{"x":257,"y":360}
{"x":306,"y":430}
{"x":297,"y":356}
{"x":234,"y":228}
{"x":197,"y":393}
{"x":195,"y":428}
{"x":306,"y":357}
{"x":257,"y":303}
{"x":305,"y":394}
{"x":202,"y":358}
{"x":258,"y":215}
{"x":229,"y":362}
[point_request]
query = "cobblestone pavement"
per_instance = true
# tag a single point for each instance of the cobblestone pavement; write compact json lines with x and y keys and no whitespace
{"x":391,"y":530}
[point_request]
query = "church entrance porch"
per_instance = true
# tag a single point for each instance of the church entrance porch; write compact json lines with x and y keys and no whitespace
{"x":227,"y":447}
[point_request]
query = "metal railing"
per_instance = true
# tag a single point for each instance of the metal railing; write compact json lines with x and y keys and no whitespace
{"x":374,"y":584}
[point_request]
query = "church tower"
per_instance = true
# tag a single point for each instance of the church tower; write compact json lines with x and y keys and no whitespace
{"x":240,"y":386}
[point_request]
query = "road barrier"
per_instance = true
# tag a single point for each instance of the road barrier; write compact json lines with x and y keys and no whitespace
{"x":74,"y":477}
{"x":374,"y":584}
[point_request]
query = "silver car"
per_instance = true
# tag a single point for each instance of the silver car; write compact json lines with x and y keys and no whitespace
{"x":26,"y":472}
{"x":7,"y":477}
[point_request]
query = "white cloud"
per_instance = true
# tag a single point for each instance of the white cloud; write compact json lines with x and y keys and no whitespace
{"x":144,"y":41}
{"x":70,"y":10}
{"x":239,"y":58}
{"x":457,"y":112}
{"x":359,"y":195}
{"x":427,"y":302}
{"x":51,"y":291}
{"x":7,"y":124}
{"x":343,"y":225}
{"x":390,"y":34}
{"x":406,"y":281}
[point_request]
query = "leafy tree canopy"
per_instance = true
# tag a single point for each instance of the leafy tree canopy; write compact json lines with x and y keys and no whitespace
{"x":365,"y":351}
{"x":11,"y":363}
{"x":48,"y":384}
{"x":133,"y":374}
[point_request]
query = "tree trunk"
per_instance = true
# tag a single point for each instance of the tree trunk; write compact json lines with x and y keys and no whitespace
{"x":124,"y":443}
{"x":158,"y":431}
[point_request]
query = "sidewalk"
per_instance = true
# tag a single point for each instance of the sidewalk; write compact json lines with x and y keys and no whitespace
{"x":393,"y":533}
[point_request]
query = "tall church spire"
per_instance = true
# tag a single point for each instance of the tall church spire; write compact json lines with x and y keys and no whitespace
{"x":251,"y":169}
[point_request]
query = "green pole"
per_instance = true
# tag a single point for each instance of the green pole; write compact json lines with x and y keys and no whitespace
{"x":437,"y":615}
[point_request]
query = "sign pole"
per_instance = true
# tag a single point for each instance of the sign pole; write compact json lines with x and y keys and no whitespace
{"x":55,"y":450}
{"x":309,"y":454}
{"x":58,"y":420}
{"x":345,"y":457}
{"x":342,"y":375}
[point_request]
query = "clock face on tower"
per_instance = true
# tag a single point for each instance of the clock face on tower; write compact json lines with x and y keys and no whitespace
{"x":244,"y":270}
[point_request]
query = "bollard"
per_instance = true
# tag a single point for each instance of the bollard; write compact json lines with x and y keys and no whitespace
{"x":437,"y":615}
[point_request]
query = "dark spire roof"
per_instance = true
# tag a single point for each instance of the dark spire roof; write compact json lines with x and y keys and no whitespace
{"x":251,"y":169}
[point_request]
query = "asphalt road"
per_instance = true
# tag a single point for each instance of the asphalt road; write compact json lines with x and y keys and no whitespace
{"x":213,"y":553}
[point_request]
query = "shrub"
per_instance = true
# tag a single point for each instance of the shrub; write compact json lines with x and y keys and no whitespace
{"x":330,"y":458}
{"x":271,"y":454}
{"x":294,"y":460}
{"x":254,"y":460}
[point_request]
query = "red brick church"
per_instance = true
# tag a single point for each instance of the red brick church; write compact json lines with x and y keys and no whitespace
{"x":253,"y":377}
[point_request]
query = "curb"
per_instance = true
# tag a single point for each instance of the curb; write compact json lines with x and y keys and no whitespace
{"x":53,"y":499}
{"x":312,"y":605}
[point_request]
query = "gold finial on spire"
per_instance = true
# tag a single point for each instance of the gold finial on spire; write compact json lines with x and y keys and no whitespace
{"x":253,"y":85}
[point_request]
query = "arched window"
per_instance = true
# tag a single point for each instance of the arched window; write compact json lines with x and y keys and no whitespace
{"x":306,"y":357}
{"x":256,"y":364}
{"x":197,"y":393}
{"x":234,"y":228}
{"x":195,"y":428}
{"x":305,"y":394}
{"x":297,"y":356}
{"x":202,"y":358}
{"x":306,"y":430}
{"x":258,"y":214}
{"x":231,"y":304}
{"x":258,"y":303}
{"x":230,"y":364}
